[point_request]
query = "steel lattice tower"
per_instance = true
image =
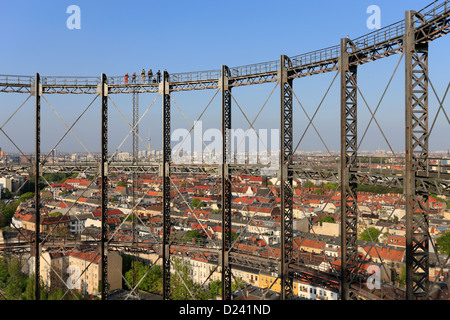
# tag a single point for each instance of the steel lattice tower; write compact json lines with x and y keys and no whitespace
{"x":348,"y":181}
{"x":226,"y":183}
{"x":286,"y":178}
{"x":416,"y":153}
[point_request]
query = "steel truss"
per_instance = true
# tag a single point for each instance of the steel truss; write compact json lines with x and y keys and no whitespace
{"x":348,"y":180}
{"x":416,"y":111}
{"x":410,"y":36}
{"x":286,"y":178}
{"x":37,"y":240}
{"x":104,"y":187}
{"x":165,"y":252}
{"x":226,"y":184}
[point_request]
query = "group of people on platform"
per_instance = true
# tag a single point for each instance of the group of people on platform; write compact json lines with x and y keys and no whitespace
{"x":149,"y":78}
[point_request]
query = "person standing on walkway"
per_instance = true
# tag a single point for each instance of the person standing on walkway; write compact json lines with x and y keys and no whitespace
{"x":143,"y":75}
{"x":134,"y":77}
{"x":150,"y":75}
{"x":158,"y":76}
{"x":126,"y":78}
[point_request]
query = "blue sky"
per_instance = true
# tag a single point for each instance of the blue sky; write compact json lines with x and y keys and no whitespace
{"x":126,"y":36}
{"x":120,"y":36}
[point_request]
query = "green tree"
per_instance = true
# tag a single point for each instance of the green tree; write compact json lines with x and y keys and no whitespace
{"x":4,"y":219}
{"x":197,"y":203}
{"x":54,"y":177}
{"x":194,"y":234}
{"x":9,"y":210}
{"x":16,"y":280}
{"x":238,"y":283}
{"x":215,"y":289}
{"x":402,"y":277}
{"x":26,"y":196}
{"x":29,"y":293}
{"x":149,"y":280}
{"x":153,"y":282}
{"x":55,"y":214}
{"x":370,"y":234}
{"x":3,"y":272}
{"x":443,"y":243}
{"x":331,"y":186}
{"x":6,"y":194}
{"x":16,"y":285}
{"x":308,"y":184}
{"x":329,"y":219}
{"x":57,"y":295}
{"x":182,"y":286}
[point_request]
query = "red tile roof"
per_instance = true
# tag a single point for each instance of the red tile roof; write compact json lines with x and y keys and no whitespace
{"x":87,"y":256}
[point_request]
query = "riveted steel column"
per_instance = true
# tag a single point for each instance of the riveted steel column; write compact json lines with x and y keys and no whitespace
{"x":37,"y":231}
{"x":226,"y":182}
{"x":348,"y":181}
{"x":416,"y":154}
{"x":165,"y":253}
{"x":104,"y":185}
{"x":135,"y":150}
{"x":286,"y":192}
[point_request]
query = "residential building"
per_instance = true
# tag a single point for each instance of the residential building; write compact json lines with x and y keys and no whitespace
{"x":79,"y":271}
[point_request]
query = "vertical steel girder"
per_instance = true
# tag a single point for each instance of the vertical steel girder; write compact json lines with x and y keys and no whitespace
{"x":286,"y":178}
{"x":165,"y":92}
{"x":348,"y":180}
{"x":226,"y":183}
{"x":104,"y":184}
{"x":416,"y":154}
{"x":37,"y":95}
{"x":135,"y":115}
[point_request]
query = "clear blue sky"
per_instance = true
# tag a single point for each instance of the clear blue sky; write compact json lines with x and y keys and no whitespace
{"x":120,"y":36}
{"x":126,"y":36}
